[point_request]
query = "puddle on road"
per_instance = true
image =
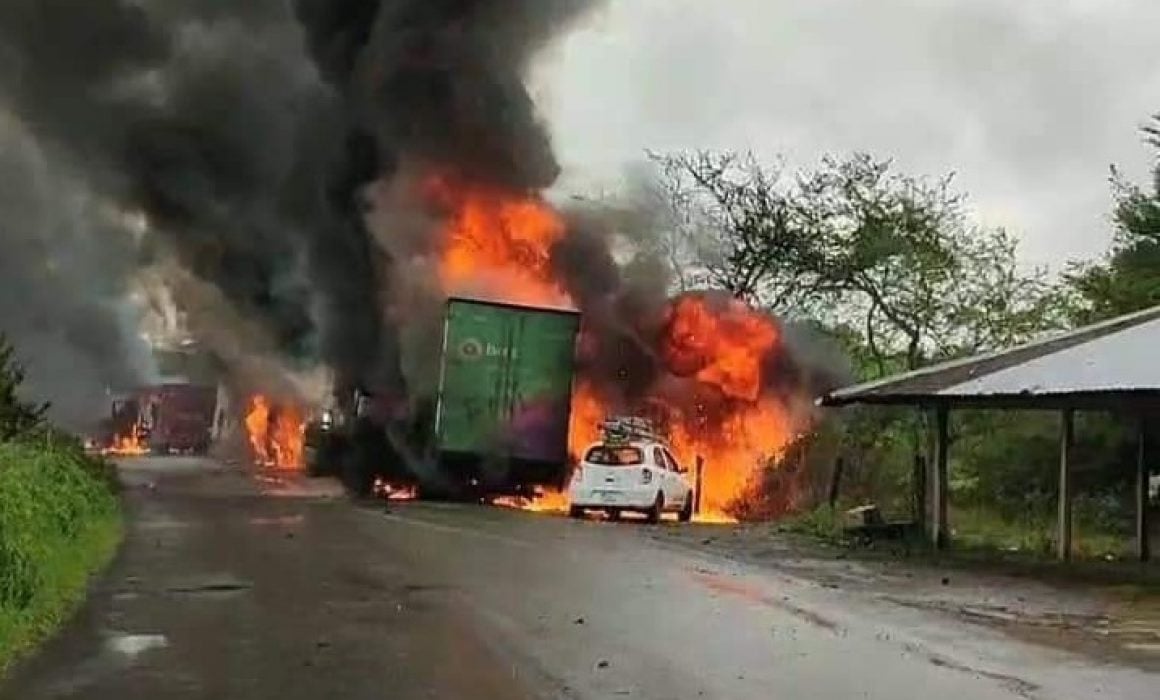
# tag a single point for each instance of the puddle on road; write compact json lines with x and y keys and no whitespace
{"x":210,"y":589}
{"x":164,"y":524}
{"x":133,"y":645}
{"x":210,"y":586}
{"x":280,"y":521}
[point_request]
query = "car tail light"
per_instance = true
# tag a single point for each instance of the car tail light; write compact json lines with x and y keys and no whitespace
{"x":646,"y":476}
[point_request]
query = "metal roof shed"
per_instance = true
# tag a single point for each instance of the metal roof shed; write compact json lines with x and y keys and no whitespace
{"x":1113,"y":365}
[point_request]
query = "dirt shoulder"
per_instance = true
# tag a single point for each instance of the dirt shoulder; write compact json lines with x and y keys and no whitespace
{"x":1108,"y":612}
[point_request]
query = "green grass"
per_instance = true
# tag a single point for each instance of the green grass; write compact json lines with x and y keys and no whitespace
{"x":1035,"y":534}
{"x":823,"y":523}
{"x":59,"y":522}
{"x":982,"y":529}
{"x":984,"y":540}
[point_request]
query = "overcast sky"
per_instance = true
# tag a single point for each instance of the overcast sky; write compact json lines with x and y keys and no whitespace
{"x":1029,"y":101}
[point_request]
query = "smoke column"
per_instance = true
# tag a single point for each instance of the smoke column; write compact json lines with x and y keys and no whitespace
{"x":272,"y":152}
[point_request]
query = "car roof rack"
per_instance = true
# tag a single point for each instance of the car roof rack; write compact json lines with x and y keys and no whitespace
{"x":626,"y":428}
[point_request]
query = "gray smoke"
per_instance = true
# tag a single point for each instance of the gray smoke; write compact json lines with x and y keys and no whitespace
{"x":63,"y":256}
{"x":443,"y":80}
{"x":427,"y":83}
{"x":211,"y":122}
{"x":246,"y":135}
{"x":272,"y":147}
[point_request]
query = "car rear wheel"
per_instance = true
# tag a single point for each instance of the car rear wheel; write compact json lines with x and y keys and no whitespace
{"x":575,"y":512}
{"x":658,"y":507}
{"x":686,"y":513}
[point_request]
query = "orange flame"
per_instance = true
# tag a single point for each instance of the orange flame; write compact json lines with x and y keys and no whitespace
{"x":545,"y":501}
{"x":258,"y":428}
{"x":720,"y":347}
{"x":497,"y":244}
{"x":735,"y":429}
{"x":130,"y":445}
{"x":724,"y":347}
{"x":277,"y":434}
{"x":390,"y":492}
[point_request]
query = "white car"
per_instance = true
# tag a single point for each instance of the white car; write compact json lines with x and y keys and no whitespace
{"x":636,"y":475}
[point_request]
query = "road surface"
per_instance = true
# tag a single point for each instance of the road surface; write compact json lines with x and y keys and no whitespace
{"x":229,"y":587}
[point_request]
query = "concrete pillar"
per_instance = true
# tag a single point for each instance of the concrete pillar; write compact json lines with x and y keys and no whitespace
{"x":1063,"y":526}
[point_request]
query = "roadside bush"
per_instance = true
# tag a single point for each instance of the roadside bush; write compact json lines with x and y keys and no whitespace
{"x":59,"y":522}
{"x":17,"y":416}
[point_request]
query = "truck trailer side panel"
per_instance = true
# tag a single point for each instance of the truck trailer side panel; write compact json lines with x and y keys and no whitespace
{"x":506,"y":382}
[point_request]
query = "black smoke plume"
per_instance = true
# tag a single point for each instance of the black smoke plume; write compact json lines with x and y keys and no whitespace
{"x":257,"y":142}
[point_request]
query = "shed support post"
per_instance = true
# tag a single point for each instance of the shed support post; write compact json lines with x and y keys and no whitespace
{"x":836,"y":481}
{"x":939,"y":534}
{"x":920,"y":494}
{"x":1143,"y":550}
{"x":1063,"y":526}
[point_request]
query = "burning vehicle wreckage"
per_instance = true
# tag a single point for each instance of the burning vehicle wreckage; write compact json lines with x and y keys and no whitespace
{"x":523,"y":390}
{"x":160,"y":419}
{"x":478,"y":334}
{"x":395,"y":229}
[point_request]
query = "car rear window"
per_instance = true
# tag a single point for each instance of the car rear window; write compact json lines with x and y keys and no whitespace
{"x":615,"y":456}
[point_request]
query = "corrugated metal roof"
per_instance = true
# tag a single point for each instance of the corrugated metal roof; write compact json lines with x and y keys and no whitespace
{"x":1116,"y":357}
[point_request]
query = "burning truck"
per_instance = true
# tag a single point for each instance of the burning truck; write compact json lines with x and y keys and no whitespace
{"x":422,"y":172}
{"x":161,"y":419}
{"x":498,"y":423}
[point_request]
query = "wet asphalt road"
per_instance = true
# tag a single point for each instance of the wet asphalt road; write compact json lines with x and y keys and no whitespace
{"x":231,"y":588}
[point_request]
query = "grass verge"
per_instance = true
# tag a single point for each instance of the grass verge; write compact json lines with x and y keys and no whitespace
{"x":985,"y":541}
{"x":60,"y":522}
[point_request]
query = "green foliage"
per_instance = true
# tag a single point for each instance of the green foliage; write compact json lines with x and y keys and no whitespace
{"x":16,"y":416}
{"x":899,"y":276}
{"x":743,"y":223}
{"x":59,"y":522}
{"x":822,"y":523}
{"x":892,"y":258}
{"x":1128,"y":278}
{"x":1032,"y":532}
{"x":59,"y":518}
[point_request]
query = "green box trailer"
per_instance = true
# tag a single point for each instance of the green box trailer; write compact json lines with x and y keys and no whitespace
{"x":505,"y":389}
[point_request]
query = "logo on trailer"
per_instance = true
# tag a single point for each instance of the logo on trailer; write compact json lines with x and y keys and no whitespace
{"x":471,"y":349}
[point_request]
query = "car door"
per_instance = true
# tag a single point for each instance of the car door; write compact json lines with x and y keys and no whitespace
{"x":670,"y":483}
{"x":681,"y":485}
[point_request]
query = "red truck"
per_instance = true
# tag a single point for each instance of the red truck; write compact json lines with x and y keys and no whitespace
{"x":178,"y":417}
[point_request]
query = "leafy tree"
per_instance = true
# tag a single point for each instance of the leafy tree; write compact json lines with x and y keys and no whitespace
{"x":891,"y":264}
{"x":901,"y":256}
{"x":741,"y":221}
{"x":859,"y":246}
{"x":17,"y":417}
{"x":1128,"y":278}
